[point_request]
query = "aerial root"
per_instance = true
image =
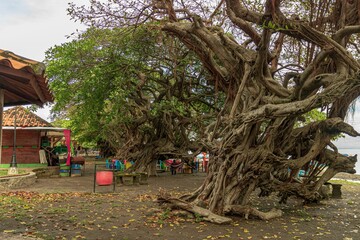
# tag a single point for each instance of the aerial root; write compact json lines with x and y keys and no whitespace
{"x":207,"y":215}
{"x":247,"y":211}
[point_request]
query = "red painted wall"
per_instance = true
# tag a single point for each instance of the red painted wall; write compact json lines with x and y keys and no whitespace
{"x":28,"y":146}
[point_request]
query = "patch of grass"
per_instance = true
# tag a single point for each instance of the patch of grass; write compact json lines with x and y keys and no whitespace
{"x":4,"y":172}
{"x":165,"y":215}
{"x":72,"y":219}
{"x":198,"y":218}
{"x":43,"y":236}
{"x":14,"y":202}
{"x":58,"y":210}
{"x":19,"y":216}
{"x":304,"y":215}
{"x":14,"y":207}
{"x":344,"y":182}
{"x":86,"y":222}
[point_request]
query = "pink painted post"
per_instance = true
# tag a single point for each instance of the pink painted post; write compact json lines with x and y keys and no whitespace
{"x":67,"y":135}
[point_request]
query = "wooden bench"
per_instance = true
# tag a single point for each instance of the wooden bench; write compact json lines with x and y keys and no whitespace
{"x":131,"y":178}
{"x":127,"y":178}
{"x":336,"y":188}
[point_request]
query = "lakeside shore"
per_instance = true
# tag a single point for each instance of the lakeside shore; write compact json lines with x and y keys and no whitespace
{"x":348,"y":176}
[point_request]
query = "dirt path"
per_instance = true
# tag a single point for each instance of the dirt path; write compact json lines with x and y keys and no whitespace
{"x":66,"y":208}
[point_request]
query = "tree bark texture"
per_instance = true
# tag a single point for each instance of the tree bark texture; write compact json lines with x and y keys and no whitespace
{"x":274,"y":67}
{"x":258,"y":142}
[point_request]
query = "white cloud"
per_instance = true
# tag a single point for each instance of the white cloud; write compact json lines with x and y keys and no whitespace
{"x":30,"y":27}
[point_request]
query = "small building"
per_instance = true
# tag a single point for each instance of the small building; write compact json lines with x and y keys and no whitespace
{"x":32,"y":135}
{"x":22,"y":81}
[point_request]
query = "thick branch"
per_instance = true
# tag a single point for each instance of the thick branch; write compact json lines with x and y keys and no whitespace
{"x":253,"y":34}
{"x":346,"y":31}
{"x":340,"y":162}
{"x":208,"y":215}
{"x":335,"y":91}
{"x":242,"y":12}
{"x":325,"y":130}
{"x":247,"y":211}
{"x":240,"y":90}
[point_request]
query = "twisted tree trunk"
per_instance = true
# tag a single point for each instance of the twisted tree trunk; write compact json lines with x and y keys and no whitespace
{"x":256,"y":143}
{"x":274,"y":68}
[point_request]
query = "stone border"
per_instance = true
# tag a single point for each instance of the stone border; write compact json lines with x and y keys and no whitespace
{"x":18,"y":181}
{"x":47,"y":172}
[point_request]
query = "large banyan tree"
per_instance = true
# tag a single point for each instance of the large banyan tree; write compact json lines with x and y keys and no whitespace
{"x":140,"y":95}
{"x":276,"y":61}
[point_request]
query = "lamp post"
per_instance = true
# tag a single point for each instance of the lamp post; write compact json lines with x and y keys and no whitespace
{"x":13,"y":165}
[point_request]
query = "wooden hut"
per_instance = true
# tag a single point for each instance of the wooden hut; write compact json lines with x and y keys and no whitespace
{"x":32,"y":135}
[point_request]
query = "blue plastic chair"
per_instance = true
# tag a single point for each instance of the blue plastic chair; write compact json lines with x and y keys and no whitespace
{"x":117,"y":164}
{"x":107,"y":163}
{"x":122,"y":166}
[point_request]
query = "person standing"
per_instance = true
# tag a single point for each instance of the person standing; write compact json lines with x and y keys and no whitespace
{"x":173,"y":167}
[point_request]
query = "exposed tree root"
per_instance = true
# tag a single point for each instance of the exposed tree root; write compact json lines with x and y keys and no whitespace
{"x":247,"y":211}
{"x":253,"y":122}
{"x":206,"y":214}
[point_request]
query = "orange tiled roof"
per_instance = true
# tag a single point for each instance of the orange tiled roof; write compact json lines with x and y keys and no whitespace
{"x":24,"y":118}
{"x":23,"y":63}
{"x":23,"y":80}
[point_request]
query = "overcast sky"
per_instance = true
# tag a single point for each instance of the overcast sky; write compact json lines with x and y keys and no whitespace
{"x":354,"y":120}
{"x":30,"y":27}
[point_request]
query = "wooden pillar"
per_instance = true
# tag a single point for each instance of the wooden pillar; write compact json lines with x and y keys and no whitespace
{"x":1,"y":119}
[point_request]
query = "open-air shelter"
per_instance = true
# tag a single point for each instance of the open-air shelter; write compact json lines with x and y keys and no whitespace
{"x":22,"y":81}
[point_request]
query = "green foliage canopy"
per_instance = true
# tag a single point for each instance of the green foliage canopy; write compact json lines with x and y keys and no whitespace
{"x":130,"y":88}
